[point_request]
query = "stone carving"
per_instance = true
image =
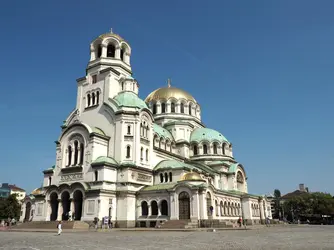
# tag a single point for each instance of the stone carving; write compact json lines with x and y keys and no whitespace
{"x":71,"y":177}
{"x":144,"y":177}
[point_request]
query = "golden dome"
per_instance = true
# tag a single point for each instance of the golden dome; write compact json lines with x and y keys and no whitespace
{"x":37,"y":191}
{"x":191,"y":176}
{"x":167,"y":93}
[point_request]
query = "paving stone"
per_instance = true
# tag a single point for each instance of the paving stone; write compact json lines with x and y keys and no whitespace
{"x":290,"y":237}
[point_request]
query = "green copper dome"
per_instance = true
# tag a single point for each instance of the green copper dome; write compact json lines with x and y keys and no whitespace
{"x":162,"y":132}
{"x":105,"y":159}
{"x":206,"y":134}
{"x":129,"y":99}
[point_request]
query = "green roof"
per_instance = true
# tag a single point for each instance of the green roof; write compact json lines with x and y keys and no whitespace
{"x":105,"y":159}
{"x":174,"y":164}
{"x":206,"y":134}
{"x":219,"y":163}
{"x":129,"y":99}
{"x":233,"y":168}
{"x":98,"y":131}
{"x":162,"y":132}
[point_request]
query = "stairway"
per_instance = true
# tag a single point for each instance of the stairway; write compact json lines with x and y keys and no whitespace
{"x":179,"y":224}
{"x":52,"y":225}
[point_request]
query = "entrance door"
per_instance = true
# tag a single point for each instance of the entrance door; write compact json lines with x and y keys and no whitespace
{"x":28,"y":210}
{"x":184,"y":206}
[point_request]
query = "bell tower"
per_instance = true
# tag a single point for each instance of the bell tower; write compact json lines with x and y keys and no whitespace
{"x":110,"y":50}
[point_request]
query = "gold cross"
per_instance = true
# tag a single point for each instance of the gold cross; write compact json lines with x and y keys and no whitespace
{"x":169,"y":82}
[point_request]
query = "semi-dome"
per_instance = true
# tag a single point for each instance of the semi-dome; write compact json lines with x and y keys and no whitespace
{"x":192,"y":176}
{"x":206,"y":134}
{"x":129,"y":99}
{"x":167,"y":93}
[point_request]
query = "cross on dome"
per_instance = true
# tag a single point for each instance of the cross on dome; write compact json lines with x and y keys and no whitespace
{"x":111,"y":30}
{"x":169,"y":82}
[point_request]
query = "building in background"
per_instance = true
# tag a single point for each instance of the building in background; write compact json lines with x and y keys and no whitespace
{"x":8,"y":189}
{"x":4,"y":190}
{"x":302,"y":190}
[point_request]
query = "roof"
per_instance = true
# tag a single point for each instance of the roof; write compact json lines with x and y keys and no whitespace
{"x":174,"y":164}
{"x":98,"y":131}
{"x":15,"y":188}
{"x":105,"y":159}
{"x":206,"y":134}
{"x":162,"y":132}
{"x":293,"y":194}
{"x":129,"y":99}
{"x":166,"y":93}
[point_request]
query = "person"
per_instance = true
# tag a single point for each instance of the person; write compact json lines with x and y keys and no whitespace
{"x":240,"y":221}
{"x":59,"y":228}
{"x":267,"y":222}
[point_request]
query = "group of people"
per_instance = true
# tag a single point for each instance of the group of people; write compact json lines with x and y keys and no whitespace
{"x":240,"y":222}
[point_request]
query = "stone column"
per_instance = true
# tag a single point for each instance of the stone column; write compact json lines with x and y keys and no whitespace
{"x":149,"y":210}
{"x":104,"y":50}
{"x":79,"y":154}
{"x":66,"y":159}
{"x":60,"y":210}
{"x":72,"y":207}
{"x":48,"y":210}
{"x":118,"y":52}
{"x":262,"y":216}
{"x":73,"y":155}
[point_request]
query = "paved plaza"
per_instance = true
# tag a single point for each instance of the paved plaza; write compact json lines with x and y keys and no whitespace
{"x":289,"y":237}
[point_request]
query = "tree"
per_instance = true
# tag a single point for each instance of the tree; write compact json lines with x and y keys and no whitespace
{"x":277,"y":205}
{"x":10,"y":207}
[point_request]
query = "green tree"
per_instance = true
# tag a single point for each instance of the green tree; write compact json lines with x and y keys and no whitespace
{"x":277,"y":205}
{"x":10,"y":207}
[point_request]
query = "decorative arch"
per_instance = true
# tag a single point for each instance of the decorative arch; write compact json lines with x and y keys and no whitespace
{"x":154,"y":207}
{"x":144,"y":208}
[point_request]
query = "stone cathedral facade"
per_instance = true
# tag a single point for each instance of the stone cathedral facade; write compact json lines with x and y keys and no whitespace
{"x":139,"y":161}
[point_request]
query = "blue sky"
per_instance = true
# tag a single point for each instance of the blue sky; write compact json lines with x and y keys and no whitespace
{"x":261,"y":70}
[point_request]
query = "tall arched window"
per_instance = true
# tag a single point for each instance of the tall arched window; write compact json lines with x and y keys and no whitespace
{"x":154,"y":108}
{"x":163,"y":108}
{"x":195,"y":149}
{"x":81,"y":153}
{"x":170,"y":176}
{"x":141,"y":153}
{"x":99,"y":51}
{"x":161,"y":178}
{"x":50,"y":180}
{"x":205,"y":149}
{"x":146,"y":154}
{"x":96,"y":175}
{"x":122,"y":54}
{"x":128,"y":152}
{"x":88,"y":100}
{"x":223,"y":148}
{"x":144,"y":208}
{"x":97,"y":97}
{"x":215,"y":148}
{"x":182,"y":108}
{"x":172,"y":107}
{"x":190,"y":109}
{"x":111,"y":50}
{"x":76,"y":152}
{"x":69,"y":150}
{"x":93,"y":98}
{"x":129,"y":130}
{"x":166,"y":177}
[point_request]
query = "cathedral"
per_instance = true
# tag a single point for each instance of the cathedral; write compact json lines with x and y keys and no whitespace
{"x":139,"y":162}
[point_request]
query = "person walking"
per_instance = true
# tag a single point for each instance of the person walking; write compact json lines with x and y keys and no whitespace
{"x":59,"y":226}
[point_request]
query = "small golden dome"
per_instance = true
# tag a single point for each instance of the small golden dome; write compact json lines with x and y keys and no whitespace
{"x":191,"y":176}
{"x":37,"y":191}
{"x":167,"y":93}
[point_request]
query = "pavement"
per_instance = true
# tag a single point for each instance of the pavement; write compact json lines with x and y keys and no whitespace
{"x":287,"y":237}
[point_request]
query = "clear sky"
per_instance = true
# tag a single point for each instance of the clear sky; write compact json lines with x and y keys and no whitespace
{"x":261,"y":70}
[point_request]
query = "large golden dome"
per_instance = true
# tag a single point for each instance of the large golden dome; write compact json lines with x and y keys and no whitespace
{"x":191,"y":176}
{"x":167,"y":93}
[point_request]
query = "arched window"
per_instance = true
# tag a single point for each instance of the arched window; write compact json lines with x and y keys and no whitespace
{"x":122,"y":85}
{"x":97,"y":97}
{"x":88,"y":100}
{"x":129,"y":130}
{"x":144,"y":208}
{"x":96,"y":175}
{"x":190,"y":109}
{"x":161,"y":178}
{"x":223,"y":148}
{"x":111,"y":50}
{"x":69,"y":149}
{"x":99,"y":51}
{"x":128,"y":152}
{"x":172,"y":107}
{"x":195,"y":149}
{"x":205,"y":149}
{"x":215,"y":148}
{"x":154,"y":108}
{"x":81,"y":153}
{"x":50,"y":179}
{"x":93,"y":98}
{"x":163,"y":108}
{"x":141,"y":153}
{"x":166,"y":177}
{"x":182,"y":108}
{"x":154,"y":208}
{"x":146,"y":154}
{"x":164,"y":208}
{"x":170,"y":176}
{"x":76,"y":152}
{"x":122,"y":54}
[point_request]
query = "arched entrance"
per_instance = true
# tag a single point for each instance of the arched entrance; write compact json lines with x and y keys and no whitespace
{"x":184,"y":206}
{"x":164,"y":208}
{"x":54,"y":206}
{"x":78,"y":199}
{"x":144,"y":208}
{"x":28,"y":211}
{"x":154,"y":208}
{"x":65,"y":199}
{"x":208,"y":203}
